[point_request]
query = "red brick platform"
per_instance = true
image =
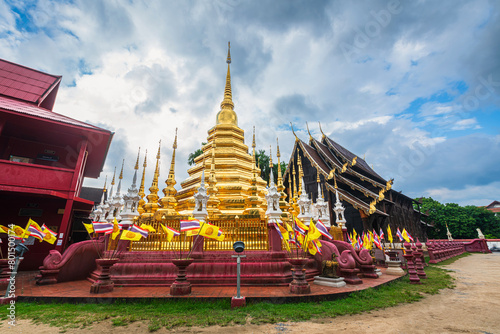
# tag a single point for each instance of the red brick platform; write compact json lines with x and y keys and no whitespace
{"x":79,"y":291}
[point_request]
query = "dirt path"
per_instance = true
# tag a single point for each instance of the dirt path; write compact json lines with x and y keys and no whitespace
{"x":472,"y":307}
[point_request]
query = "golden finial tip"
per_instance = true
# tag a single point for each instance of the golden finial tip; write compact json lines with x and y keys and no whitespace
{"x":175,"y":140}
{"x":228,"y":53}
{"x":159,"y":148}
{"x":137,"y":161}
{"x":121,"y":172}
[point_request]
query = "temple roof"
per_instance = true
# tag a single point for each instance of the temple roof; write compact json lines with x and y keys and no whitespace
{"x":347,"y":155}
{"x":26,"y":84}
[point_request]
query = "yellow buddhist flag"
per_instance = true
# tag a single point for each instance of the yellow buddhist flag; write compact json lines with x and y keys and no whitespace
{"x":19,"y":231}
{"x":313,"y":233}
{"x":405,"y":235}
{"x":116,"y":229}
{"x":4,"y":229}
{"x":89,"y":228}
{"x":389,"y":233}
{"x":209,"y":231}
{"x":49,"y":237}
{"x":286,"y":236}
{"x":129,"y":235}
{"x":148,"y":228}
{"x":170,"y":232}
{"x":33,"y":223}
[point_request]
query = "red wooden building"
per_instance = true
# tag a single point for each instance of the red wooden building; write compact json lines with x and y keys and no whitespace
{"x":44,"y":157}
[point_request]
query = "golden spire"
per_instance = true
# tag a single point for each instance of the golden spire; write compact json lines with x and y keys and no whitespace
{"x":152,"y":205}
{"x":294,"y":182}
{"x":318,"y":180}
{"x":227,"y":115}
{"x":301,"y":173}
{"x":112,"y":184}
{"x":168,"y":202}
{"x":137,"y":161}
{"x":321,"y":130}
{"x":140,"y":204}
{"x":120,"y":180}
{"x":280,"y":178}
{"x":253,"y":143}
{"x":105,"y":180}
{"x":213,"y":201}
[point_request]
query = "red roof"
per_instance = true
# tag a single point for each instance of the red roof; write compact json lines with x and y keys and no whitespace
{"x":29,"y":109}
{"x":26,"y":84}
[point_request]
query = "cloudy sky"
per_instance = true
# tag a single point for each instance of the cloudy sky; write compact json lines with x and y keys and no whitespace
{"x":412,"y":86}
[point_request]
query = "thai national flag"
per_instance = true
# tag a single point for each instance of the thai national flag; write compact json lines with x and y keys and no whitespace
{"x":298,"y":226}
{"x":174,"y":232}
{"x":188,"y":225}
{"x":318,"y":248}
{"x":102,"y":227}
{"x":141,"y":231}
{"x":349,"y":238}
{"x":46,"y":229}
{"x":278,"y":229}
{"x":382,"y":235}
{"x":323,"y":229}
{"x":409,"y":236}
{"x":35,"y":232}
{"x":376,"y":241}
{"x":400,"y":236}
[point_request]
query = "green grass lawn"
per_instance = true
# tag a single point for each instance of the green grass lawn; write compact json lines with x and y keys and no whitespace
{"x":170,"y":314}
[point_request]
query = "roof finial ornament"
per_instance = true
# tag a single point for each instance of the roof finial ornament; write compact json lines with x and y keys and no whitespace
{"x":310,"y":137}
{"x":296,"y":138}
{"x":320,"y":129}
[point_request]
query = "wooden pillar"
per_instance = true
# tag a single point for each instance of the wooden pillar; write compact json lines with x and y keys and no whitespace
{"x":65,"y":227}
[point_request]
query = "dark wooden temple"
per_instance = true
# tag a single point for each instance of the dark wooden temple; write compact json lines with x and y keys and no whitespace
{"x":369,"y":200}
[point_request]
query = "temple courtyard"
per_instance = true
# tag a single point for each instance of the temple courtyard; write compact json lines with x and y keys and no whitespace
{"x":471,"y":307}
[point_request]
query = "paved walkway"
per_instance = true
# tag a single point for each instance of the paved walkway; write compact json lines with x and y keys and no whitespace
{"x":79,"y":291}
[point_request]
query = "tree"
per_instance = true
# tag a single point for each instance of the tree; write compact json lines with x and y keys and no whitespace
{"x":263,"y":160}
{"x":195,"y":154}
{"x":462,"y":221}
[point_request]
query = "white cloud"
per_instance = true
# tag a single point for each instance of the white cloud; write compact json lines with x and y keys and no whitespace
{"x":145,"y":68}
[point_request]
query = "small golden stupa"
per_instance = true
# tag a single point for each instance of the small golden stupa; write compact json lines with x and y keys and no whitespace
{"x":234,"y":183}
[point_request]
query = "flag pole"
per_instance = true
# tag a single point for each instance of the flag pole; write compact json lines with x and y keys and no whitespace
{"x":93,"y":241}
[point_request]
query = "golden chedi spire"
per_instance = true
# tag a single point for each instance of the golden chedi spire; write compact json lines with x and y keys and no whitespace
{"x":227,"y":115}
{"x":112,"y":185}
{"x":301,"y":173}
{"x":213,"y":202}
{"x":233,"y":167}
{"x":253,"y":203}
{"x":295,"y":198}
{"x":140,"y":204}
{"x":168,"y":202}
{"x":152,"y":205}
{"x":280,"y":187}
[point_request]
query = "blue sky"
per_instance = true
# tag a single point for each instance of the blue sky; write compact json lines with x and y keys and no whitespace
{"x":413,"y":86}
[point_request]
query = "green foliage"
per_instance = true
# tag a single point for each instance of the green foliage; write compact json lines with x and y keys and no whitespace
{"x":184,"y":313}
{"x":263,"y":162}
{"x":462,"y":221}
{"x":194,"y":155}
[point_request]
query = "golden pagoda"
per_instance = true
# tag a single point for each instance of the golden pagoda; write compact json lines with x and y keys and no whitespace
{"x":231,"y":167}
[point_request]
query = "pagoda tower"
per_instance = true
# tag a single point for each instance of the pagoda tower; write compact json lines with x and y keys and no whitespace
{"x":232,"y":164}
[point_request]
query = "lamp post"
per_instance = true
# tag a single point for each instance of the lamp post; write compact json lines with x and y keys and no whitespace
{"x":238,"y":301}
